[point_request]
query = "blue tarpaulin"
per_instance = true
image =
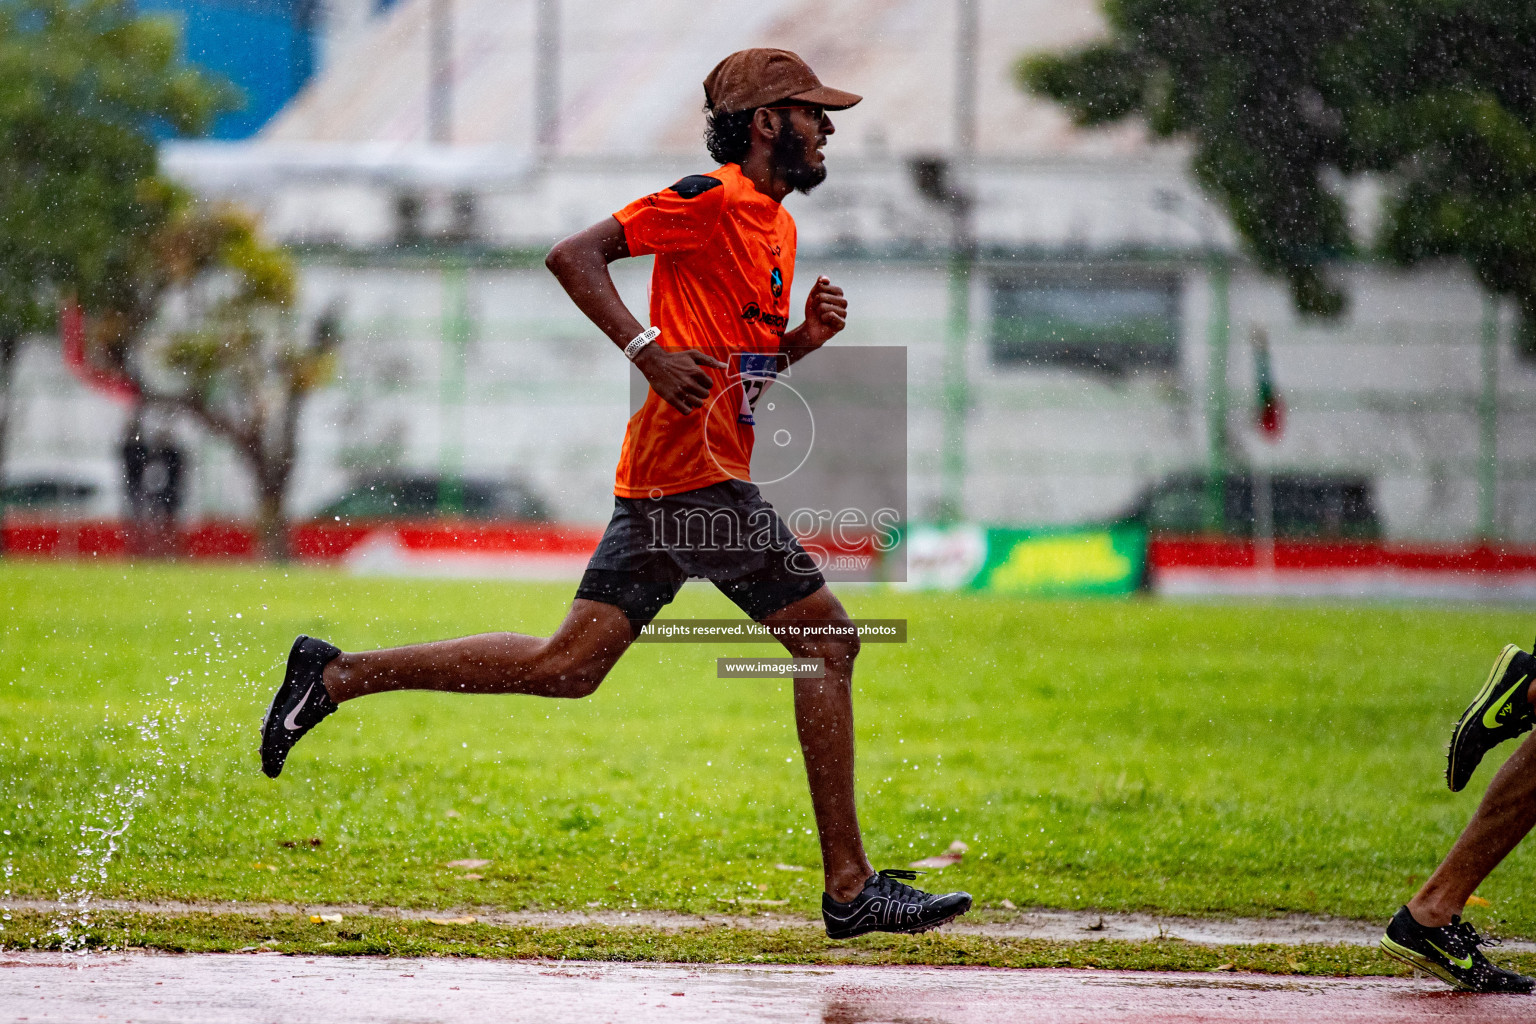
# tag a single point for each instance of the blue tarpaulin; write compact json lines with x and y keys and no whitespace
{"x":266,"y":48}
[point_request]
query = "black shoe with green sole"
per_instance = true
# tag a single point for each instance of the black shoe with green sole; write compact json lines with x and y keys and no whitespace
{"x":1500,"y":711}
{"x":1451,"y":954}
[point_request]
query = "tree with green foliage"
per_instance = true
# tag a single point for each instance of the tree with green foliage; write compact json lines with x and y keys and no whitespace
{"x":84,"y":85}
{"x":210,"y":332}
{"x":181,"y":303}
{"x":1280,"y":100}
{"x":203,"y":325}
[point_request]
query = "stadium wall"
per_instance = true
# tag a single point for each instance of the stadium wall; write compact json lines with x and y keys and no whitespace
{"x":1391,"y":392}
{"x":1407,"y":389}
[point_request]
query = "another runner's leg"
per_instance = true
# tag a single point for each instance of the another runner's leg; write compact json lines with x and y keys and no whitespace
{"x":1506,"y":814}
{"x":571,"y":663}
{"x":824,"y":719}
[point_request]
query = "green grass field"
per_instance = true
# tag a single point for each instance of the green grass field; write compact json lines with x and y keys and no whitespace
{"x":1194,"y":759}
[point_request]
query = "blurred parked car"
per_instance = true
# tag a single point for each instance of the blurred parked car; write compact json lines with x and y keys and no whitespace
{"x":431,"y":496}
{"x":48,"y":496}
{"x":1305,"y":506}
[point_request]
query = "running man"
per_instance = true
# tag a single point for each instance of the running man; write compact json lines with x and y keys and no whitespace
{"x":725,"y":260}
{"x":1428,"y":933}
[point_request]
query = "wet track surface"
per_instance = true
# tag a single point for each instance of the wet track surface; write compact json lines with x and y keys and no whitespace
{"x":1035,"y":923}
{"x":149,"y":988}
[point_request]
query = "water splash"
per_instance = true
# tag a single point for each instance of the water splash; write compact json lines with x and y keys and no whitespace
{"x":104,"y":827}
{"x":5,"y":898}
{"x":97,"y":846}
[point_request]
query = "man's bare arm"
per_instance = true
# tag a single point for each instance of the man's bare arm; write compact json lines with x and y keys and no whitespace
{"x":580,"y":264}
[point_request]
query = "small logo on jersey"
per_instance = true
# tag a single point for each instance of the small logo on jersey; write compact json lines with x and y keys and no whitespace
{"x":752,"y":313}
{"x":776,"y":282}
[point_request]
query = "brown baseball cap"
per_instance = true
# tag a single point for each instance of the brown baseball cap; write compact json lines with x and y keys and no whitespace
{"x":749,"y":79}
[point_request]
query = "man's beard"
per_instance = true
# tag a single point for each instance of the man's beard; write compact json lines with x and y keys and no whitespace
{"x":791,"y":166}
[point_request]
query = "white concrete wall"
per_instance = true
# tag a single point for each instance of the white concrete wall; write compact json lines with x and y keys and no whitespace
{"x":1389,"y":391}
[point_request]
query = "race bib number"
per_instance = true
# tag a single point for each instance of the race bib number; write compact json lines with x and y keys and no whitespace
{"x":756,"y":370}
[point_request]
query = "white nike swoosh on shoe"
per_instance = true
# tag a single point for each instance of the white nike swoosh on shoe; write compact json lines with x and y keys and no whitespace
{"x":291,"y":722}
{"x":874,"y":905}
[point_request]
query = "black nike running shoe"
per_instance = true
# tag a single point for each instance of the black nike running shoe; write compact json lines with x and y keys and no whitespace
{"x":886,"y":905}
{"x":299,"y":704}
{"x":1500,"y":711}
{"x":1450,"y":953}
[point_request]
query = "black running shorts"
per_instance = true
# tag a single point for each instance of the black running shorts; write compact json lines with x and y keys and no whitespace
{"x":725,"y":533}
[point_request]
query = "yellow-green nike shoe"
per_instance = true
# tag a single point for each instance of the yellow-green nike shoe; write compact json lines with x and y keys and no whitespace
{"x":1450,"y":953}
{"x":1500,"y":711}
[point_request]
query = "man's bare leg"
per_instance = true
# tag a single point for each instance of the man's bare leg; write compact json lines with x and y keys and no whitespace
{"x":571,"y":663}
{"x":1507,"y":813}
{"x":824,"y":720}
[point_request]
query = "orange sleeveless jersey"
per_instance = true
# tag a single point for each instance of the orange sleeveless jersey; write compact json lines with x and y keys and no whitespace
{"x":725,"y":258}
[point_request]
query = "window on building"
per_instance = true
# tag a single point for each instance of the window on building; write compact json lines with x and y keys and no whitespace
{"x":1112,"y":326}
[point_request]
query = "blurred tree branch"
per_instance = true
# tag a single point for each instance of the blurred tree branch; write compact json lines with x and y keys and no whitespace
{"x":207,"y":329}
{"x":1439,"y":97}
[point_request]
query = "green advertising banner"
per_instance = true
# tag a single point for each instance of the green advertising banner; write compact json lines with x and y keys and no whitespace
{"x":1050,"y":560}
{"x":1071,"y":561}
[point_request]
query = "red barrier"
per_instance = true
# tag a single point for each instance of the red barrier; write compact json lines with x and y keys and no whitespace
{"x":476,"y":538}
{"x":310,"y":542}
{"x":66,"y":540}
{"x":1221,"y":553}
{"x":1201,"y":567}
{"x":324,"y":542}
{"x":219,"y":540}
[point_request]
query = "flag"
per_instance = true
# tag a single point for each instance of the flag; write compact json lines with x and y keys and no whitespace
{"x":1270,"y":411}
{"x":72,"y":333}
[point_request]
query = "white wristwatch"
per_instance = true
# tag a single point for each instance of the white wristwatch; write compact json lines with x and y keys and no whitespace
{"x":639,"y":342}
